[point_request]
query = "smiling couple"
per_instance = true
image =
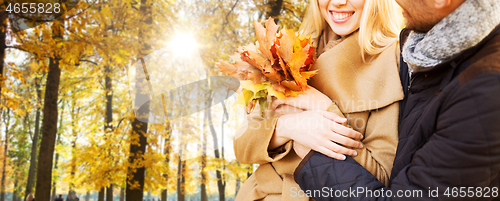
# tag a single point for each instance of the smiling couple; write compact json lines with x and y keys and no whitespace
{"x":391,"y":110}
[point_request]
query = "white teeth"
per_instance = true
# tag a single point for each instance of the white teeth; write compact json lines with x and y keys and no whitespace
{"x":341,"y":16}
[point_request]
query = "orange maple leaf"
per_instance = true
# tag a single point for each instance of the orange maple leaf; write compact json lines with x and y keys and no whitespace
{"x":282,"y":59}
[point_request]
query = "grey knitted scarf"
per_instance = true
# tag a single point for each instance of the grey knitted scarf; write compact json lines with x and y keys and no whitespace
{"x":465,"y":27}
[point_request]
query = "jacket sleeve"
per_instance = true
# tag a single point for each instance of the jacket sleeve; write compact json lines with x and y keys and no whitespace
{"x":380,"y":142}
{"x":463,"y":152}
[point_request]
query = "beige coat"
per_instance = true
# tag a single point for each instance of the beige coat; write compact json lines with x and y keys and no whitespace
{"x":367,"y":94}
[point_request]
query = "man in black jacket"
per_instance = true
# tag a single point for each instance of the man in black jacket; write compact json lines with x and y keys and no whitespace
{"x":449,"y":124}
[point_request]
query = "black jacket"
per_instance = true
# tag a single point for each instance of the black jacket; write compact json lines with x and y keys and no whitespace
{"x":449,"y":136}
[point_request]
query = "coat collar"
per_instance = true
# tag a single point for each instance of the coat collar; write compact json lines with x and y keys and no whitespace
{"x":354,"y":85}
{"x":443,"y":73}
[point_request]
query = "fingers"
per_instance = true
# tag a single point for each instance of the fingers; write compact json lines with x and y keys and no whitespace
{"x":277,"y":103}
{"x":311,"y":90}
{"x":345,"y":131}
{"x":332,"y":116}
{"x":330,"y":153}
{"x":288,"y":101}
{"x":339,"y":149}
{"x":338,"y":128}
{"x":287,"y":109}
{"x":314,"y":131}
{"x":348,"y":142}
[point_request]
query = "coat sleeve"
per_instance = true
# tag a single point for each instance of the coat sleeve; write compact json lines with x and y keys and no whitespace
{"x":463,"y":152}
{"x":252,"y":138}
{"x":380,"y":142}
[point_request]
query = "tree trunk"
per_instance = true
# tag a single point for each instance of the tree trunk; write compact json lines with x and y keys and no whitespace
{"x":54,"y":188}
{"x":203,"y":187}
{"x":164,"y":195}
{"x":238,"y":185}
{"x":87,"y":197}
{"x":221,"y":185}
{"x":5,"y":149}
{"x":50,"y":116}
{"x":3,"y":30}
{"x":122,"y":194}
{"x":204,"y":175}
{"x":166,"y":151}
{"x":181,"y":191}
{"x":203,"y":178}
{"x":14,"y":193}
{"x":34,"y":143}
{"x":180,"y":178}
{"x":56,"y":161}
{"x":225,"y":118}
{"x":238,"y":181}
{"x":109,"y":193}
{"x":136,"y":175}
{"x":109,"y":118}
{"x":71,"y":191}
{"x":101,"y":194}
{"x":54,"y":196}
{"x":137,"y":151}
{"x":250,"y":171}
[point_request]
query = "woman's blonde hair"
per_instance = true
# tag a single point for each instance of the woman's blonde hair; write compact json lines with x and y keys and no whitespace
{"x":381,"y":22}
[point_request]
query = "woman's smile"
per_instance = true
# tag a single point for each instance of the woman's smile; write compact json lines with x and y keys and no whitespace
{"x":341,"y":16}
{"x":344,"y":17}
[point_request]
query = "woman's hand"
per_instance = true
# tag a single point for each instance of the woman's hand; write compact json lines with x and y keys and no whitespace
{"x":288,"y":109}
{"x":312,"y":99}
{"x":300,"y":150}
{"x":320,"y":131}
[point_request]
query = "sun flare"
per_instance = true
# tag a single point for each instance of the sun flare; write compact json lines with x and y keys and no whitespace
{"x":184,"y":44}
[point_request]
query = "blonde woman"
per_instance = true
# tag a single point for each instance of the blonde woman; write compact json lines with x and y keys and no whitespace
{"x":358,"y":79}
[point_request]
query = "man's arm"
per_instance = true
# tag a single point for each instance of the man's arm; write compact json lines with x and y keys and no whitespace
{"x":464,"y":152}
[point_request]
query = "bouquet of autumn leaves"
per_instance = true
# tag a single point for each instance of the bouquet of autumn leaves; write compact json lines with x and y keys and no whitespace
{"x":278,"y":66}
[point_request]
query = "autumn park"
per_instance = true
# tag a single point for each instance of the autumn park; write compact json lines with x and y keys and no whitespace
{"x":84,"y":108}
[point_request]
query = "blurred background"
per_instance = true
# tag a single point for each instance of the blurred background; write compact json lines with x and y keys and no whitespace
{"x":74,"y":84}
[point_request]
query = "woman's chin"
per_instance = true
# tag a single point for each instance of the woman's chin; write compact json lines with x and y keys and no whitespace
{"x":343,"y":31}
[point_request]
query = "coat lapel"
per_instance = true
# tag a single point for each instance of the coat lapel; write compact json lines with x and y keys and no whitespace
{"x":354,"y":85}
